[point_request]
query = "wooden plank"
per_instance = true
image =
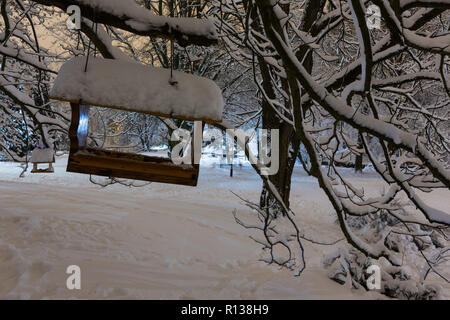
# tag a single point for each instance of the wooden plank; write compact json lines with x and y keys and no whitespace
{"x":122,"y":164}
{"x":42,"y":171}
{"x":73,"y":129}
{"x":46,"y":170}
{"x":132,"y":166}
{"x":192,"y":181}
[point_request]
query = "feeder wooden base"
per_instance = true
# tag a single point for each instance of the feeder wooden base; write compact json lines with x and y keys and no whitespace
{"x":131,"y":166}
{"x":47,"y":170}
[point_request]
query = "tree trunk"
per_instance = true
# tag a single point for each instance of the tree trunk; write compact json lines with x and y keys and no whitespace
{"x":359,"y":163}
{"x":289,"y":143}
{"x":289,"y":147}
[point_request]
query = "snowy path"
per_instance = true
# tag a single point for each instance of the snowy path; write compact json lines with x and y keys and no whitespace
{"x":158,"y":241}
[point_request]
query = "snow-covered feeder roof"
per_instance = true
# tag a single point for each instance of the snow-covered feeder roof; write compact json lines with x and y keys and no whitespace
{"x":135,"y":87}
{"x":46,"y":155}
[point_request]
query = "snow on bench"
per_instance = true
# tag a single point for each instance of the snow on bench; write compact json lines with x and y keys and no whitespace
{"x":135,"y":87}
{"x":46,"y":155}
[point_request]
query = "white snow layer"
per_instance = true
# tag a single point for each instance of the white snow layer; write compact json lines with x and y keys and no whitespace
{"x":136,"y":87}
{"x":46,"y":155}
{"x":160,"y":241}
{"x":154,"y":242}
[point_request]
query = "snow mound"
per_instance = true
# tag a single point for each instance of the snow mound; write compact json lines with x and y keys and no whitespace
{"x":134,"y":87}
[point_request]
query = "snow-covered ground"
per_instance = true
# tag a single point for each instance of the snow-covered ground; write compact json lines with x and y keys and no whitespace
{"x":155,"y":242}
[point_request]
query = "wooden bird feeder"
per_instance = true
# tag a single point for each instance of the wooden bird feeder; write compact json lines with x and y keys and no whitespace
{"x":130,"y":86}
